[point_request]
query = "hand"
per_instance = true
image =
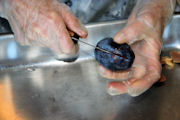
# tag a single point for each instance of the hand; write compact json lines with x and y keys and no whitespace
{"x":44,"y":23}
{"x":143,"y":34}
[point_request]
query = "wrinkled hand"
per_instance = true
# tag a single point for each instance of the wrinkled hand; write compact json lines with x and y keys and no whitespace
{"x":44,"y":23}
{"x":143,"y":34}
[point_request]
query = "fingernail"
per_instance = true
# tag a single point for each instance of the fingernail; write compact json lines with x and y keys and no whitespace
{"x":136,"y":92}
{"x":113,"y":91}
{"x":83,"y":28}
{"x":132,"y":41}
{"x":83,"y":31}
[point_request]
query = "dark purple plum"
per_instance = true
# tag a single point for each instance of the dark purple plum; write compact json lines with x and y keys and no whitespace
{"x":122,"y":59}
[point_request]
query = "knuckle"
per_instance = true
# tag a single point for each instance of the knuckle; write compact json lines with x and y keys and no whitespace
{"x":64,"y":6}
{"x":52,"y":17}
{"x":148,"y":18}
{"x":75,"y":21}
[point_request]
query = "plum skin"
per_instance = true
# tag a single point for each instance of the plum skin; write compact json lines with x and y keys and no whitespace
{"x":111,"y":61}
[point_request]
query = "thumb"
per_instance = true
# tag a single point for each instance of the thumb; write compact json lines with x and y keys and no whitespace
{"x":72,"y":22}
{"x":129,"y":34}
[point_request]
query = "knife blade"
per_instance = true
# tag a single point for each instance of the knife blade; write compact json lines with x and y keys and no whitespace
{"x":103,"y":50}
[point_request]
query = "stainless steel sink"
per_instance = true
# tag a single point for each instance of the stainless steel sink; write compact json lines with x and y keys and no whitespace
{"x":36,"y":86}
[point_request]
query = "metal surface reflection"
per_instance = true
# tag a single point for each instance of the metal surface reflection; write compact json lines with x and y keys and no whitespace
{"x":12,"y":51}
{"x":36,"y":86}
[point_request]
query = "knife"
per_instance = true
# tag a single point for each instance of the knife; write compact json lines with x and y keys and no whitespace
{"x":95,"y":47}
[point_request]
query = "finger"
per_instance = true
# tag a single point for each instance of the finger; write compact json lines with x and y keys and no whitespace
{"x":133,"y":87}
{"x":116,"y":88}
{"x":72,"y":22}
{"x":139,"y":64}
{"x":132,"y":17}
{"x":61,"y":34}
{"x":139,"y":71}
{"x":130,"y":34}
{"x":140,"y":86}
{"x":119,"y":75}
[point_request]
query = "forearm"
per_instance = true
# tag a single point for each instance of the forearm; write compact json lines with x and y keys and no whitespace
{"x":154,"y":11}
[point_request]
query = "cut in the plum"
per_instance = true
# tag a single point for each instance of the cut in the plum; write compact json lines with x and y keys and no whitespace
{"x":121,"y":59}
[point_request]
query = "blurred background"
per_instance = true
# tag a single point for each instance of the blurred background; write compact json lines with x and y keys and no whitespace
{"x":90,"y":11}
